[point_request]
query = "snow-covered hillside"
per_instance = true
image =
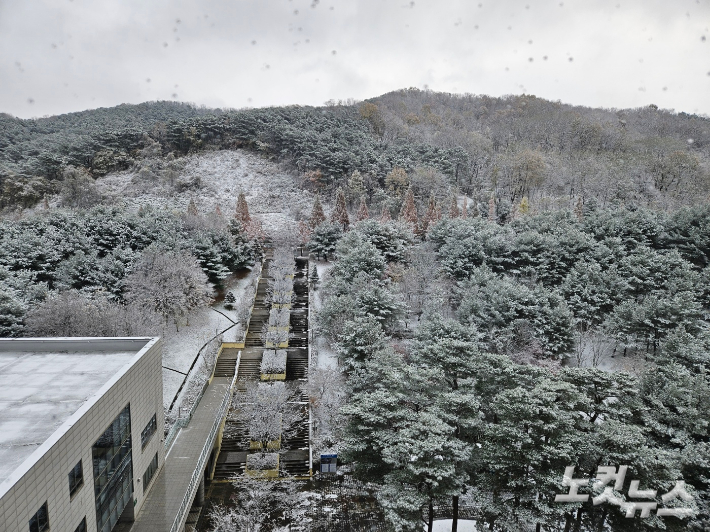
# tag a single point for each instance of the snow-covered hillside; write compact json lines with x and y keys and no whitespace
{"x":274,"y":196}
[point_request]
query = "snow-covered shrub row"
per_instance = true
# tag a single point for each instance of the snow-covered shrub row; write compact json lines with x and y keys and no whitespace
{"x":279,"y":317}
{"x":283,"y":264}
{"x":281,"y":291}
{"x":275,"y":337}
{"x":268,"y":410}
{"x":273,"y":361}
{"x":262,"y":461}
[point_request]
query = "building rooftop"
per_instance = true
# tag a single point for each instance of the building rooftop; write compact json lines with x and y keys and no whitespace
{"x":43,"y":382}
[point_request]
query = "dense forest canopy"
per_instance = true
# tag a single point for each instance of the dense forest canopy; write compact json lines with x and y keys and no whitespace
{"x":451,"y":352}
{"x":518,"y":285}
{"x":512,"y":147}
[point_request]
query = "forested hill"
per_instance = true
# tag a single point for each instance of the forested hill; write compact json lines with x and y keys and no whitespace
{"x":510,"y":147}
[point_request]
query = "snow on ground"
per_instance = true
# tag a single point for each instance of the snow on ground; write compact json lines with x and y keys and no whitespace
{"x":444,"y":525}
{"x":274,"y":196}
{"x":182,"y":346}
{"x":326,"y":355}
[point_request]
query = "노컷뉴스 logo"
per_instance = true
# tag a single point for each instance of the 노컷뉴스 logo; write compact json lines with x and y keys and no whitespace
{"x":607,"y":474}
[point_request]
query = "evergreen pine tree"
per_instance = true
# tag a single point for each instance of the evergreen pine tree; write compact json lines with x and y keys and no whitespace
{"x":363,"y":212}
{"x":242,"y":213}
{"x":317,"y":215}
{"x":340,"y":213}
{"x":192,"y":208}
{"x":408,"y":213}
{"x":356,"y":184}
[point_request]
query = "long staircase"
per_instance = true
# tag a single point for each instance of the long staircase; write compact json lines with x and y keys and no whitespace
{"x":295,"y":451}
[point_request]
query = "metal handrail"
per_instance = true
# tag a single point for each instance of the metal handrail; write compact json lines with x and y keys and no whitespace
{"x":201,"y":461}
{"x":182,"y":422}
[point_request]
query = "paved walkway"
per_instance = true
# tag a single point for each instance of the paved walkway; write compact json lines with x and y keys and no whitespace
{"x":163,"y":502}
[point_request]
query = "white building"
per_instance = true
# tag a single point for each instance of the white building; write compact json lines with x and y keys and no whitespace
{"x":81,"y":430}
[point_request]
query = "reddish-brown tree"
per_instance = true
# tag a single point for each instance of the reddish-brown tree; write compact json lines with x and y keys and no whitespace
{"x":579,"y":209}
{"x":454,"y":208}
{"x":340,"y":213}
{"x":317,"y":215}
{"x":430,"y":217}
{"x":363,"y":213}
{"x":242,"y":213}
{"x":408,"y":213}
{"x":304,"y":232}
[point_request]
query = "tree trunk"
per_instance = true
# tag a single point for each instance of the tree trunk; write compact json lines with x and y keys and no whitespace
{"x":568,"y":522}
{"x":601,"y":523}
{"x":430,"y":524}
{"x":455,"y":521}
{"x":538,"y":527}
{"x":578,"y":522}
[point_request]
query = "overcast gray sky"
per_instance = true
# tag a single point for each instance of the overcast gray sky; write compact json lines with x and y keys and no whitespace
{"x":58,"y":56}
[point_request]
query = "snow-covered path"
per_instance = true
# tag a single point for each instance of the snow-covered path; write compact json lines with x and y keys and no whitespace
{"x":182,"y":346}
{"x":326,"y":355}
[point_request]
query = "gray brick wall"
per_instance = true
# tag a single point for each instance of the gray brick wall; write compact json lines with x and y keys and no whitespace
{"x":47,"y":480}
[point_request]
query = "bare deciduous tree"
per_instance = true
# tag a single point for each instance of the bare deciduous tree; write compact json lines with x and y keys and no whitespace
{"x":71,"y":313}
{"x":168,"y":282}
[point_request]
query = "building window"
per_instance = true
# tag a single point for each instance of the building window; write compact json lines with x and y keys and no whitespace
{"x":76,"y":479}
{"x":113,"y":471}
{"x":82,"y":526}
{"x":40,"y":520}
{"x":148,"y":431}
{"x":148,"y":475}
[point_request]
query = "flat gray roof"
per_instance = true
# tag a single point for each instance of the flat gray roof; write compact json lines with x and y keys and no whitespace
{"x":44,"y":381}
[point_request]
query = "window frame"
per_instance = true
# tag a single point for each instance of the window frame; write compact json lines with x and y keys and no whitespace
{"x":82,"y":526}
{"x":152,"y":469}
{"x":73,"y":490}
{"x":149,"y":431}
{"x":36,"y":516}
